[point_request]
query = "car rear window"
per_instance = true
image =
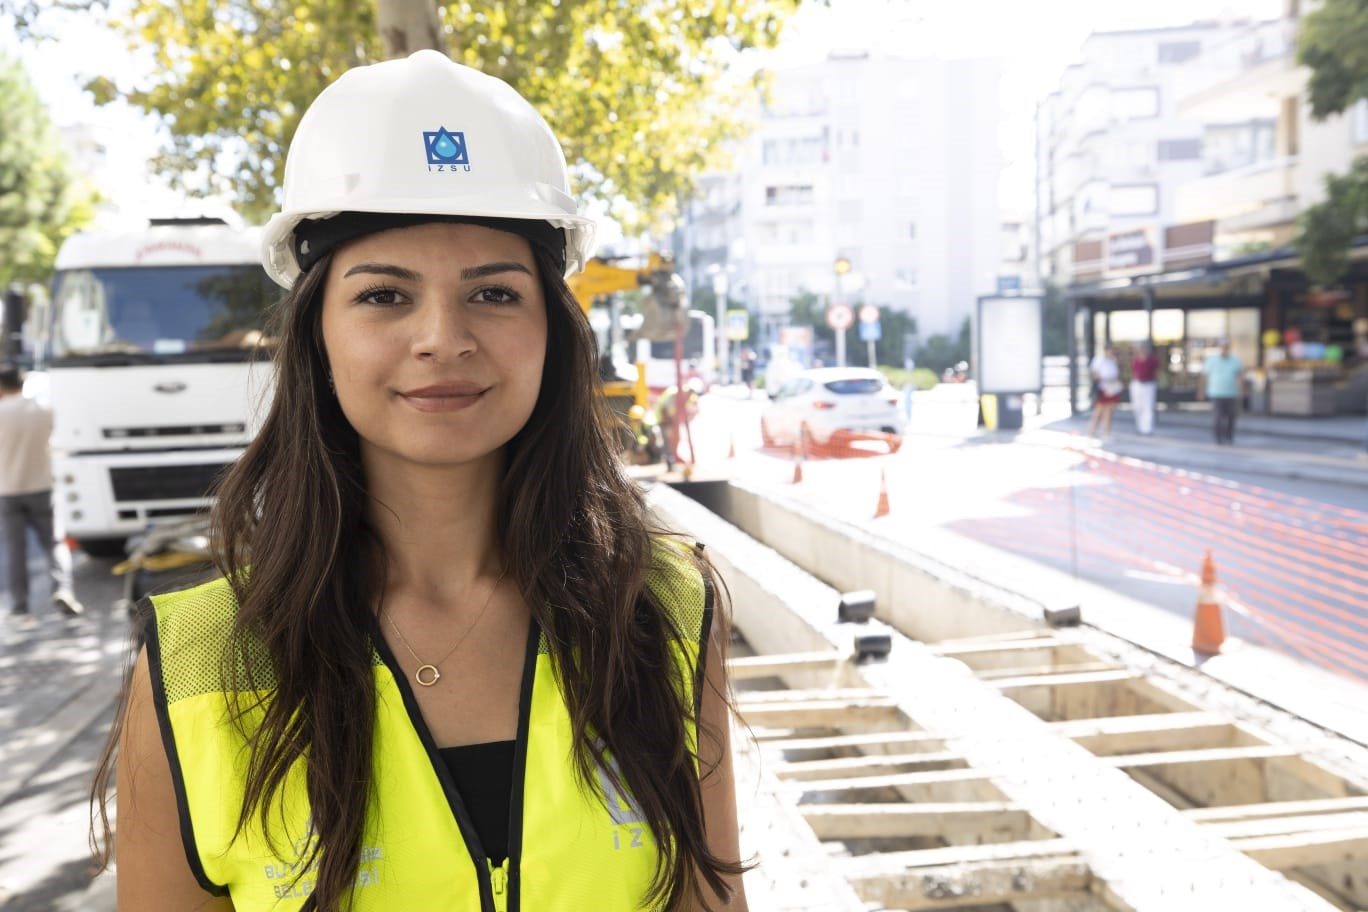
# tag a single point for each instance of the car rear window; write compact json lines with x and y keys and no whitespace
{"x":855,"y":386}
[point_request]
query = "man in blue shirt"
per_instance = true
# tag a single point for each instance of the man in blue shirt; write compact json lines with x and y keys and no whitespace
{"x":1223,"y":374}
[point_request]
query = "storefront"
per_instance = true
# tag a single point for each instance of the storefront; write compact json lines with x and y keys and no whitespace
{"x":1306,"y":349}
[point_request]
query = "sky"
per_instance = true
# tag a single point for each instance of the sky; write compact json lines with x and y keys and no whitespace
{"x":1036,"y":40}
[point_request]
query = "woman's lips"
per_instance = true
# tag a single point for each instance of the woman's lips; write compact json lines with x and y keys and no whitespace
{"x":444,"y":397}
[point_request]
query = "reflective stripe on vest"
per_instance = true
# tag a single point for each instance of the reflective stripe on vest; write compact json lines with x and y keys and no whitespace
{"x":569,"y":849}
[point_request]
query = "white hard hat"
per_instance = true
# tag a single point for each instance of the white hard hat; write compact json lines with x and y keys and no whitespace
{"x":423,"y":136}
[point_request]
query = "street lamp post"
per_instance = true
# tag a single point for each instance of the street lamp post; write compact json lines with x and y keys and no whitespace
{"x":842,"y":267}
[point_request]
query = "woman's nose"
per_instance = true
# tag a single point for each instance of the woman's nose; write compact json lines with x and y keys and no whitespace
{"x":442,"y":331}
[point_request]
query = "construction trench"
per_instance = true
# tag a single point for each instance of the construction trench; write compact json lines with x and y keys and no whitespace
{"x":956,"y":751}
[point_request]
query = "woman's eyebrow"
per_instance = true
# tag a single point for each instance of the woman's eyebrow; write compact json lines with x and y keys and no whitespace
{"x":489,"y":269}
{"x":398,"y":272}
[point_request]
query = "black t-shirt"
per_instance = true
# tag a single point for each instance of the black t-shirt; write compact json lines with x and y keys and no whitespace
{"x":483,"y":774}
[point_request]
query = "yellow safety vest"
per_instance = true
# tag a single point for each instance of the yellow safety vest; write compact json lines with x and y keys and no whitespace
{"x":570,"y":849}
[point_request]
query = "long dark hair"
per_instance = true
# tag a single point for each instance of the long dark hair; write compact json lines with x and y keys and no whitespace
{"x":575,"y":536}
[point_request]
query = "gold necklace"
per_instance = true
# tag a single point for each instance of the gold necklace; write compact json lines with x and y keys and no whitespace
{"x":433,"y":675}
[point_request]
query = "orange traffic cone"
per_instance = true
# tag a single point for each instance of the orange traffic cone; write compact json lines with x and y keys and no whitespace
{"x":731,"y":447}
{"x":797,"y":464}
{"x":882,"y":508}
{"x":1208,"y":630}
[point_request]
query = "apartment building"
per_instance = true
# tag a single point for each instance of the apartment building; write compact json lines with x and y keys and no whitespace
{"x":1264,"y":158}
{"x":890,"y":164}
{"x":1113,"y":145}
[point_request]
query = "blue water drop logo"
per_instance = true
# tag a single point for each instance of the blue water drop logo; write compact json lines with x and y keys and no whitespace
{"x":446,"y":147}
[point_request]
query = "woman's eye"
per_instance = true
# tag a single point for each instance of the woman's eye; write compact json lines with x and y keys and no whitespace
{"x":497,"y":294}
{"x":381,"y":297}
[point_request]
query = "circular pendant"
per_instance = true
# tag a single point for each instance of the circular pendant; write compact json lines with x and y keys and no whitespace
{"x":431,"y":673}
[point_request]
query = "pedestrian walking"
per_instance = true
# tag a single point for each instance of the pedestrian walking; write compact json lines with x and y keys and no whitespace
{"x":1144,"y":387}
{"x":1106,"y":374}
{"x":1223,"y":373}
{"x":451,"y":663}
{"x":26,"y":496}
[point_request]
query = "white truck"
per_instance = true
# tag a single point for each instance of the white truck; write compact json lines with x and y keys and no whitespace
{"x":158,"y":372}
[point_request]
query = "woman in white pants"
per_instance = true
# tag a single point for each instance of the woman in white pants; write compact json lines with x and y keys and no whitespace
{"x":1144,"y":387}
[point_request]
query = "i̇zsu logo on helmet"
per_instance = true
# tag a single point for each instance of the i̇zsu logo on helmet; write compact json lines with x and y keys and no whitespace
{"x":446,"y":150}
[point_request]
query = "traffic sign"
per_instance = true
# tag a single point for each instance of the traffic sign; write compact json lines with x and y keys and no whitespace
{"x":869,"y":314}
{"x":871,"y":332}
{"x":738,"y":325}
{"x":840,"y":316}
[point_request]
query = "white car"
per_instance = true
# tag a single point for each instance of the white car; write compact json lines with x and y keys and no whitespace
{"x":826,"y":401}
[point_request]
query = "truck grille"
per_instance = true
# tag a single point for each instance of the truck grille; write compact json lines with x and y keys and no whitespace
{"x":183,"y":431}
{"x":174,"y":482}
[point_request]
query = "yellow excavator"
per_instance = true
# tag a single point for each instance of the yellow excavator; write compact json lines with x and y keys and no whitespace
{"x":600,"y":278}
{"x":664,"y":313}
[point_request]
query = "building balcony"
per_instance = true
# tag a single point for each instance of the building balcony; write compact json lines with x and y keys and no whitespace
{"x":1269,"y":73}
{"x":1257,"y":196}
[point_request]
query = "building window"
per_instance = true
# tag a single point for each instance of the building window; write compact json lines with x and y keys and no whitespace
{"x":802,"y":150}
{"x":1180,"y":149}
{"x":1229,"y":146}
{"x":789,"y":195}
{"x":1179,"y":51}
{"x":1134,"y":199}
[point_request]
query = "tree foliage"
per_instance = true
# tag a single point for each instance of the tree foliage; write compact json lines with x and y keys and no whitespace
{"x":41,"y":199}
{"x":639,"y":94}
{"x":1334,"y":45}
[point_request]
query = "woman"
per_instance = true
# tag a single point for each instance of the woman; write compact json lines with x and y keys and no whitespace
{"x":1106,"y":374}
{"x":1144,"y":386}
{"x":449,"y":665}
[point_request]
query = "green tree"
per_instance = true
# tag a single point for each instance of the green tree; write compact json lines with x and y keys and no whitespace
{"x":42,"y":201}
{"x":894,"y":326}
{"x":808,"y":309}
{"x":942,"y":351}
{"x":1334,"y":45}
{"x":640,"y":95}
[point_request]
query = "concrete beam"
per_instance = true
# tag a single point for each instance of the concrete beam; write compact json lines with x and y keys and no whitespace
{"x":900,"y":821}
{"x":980,"y":885}
{"x":867,"y":765}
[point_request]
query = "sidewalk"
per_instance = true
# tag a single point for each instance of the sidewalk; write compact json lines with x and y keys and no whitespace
{"x":59,"y":680}
{"x":1329,"y":450}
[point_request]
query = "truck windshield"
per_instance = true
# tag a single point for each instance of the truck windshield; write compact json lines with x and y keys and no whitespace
{"x":179,"y":313}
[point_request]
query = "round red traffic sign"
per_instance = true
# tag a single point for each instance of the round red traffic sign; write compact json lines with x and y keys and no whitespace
{"x":869,"y":314}
{"x":840,"y":316}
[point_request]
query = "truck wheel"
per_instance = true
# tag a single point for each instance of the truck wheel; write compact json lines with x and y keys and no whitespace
{"x":102,"y":547}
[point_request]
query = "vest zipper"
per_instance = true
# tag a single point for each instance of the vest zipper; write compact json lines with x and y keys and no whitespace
{"x":498,"y":885}
{"x":498,"y":882}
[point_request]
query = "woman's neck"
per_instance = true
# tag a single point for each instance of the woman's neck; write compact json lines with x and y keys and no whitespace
{"x":437,"y":526}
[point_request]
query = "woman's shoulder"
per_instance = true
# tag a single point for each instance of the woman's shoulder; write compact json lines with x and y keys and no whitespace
{"x":673,"y":559}
{"x":676,"y":576}
{"x":196,"y":616}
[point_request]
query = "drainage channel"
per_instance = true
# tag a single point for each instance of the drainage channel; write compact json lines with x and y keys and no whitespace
{"x":1014,"y":767}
